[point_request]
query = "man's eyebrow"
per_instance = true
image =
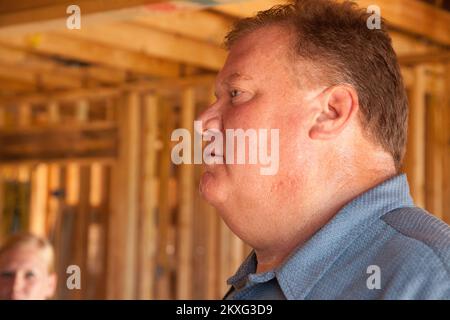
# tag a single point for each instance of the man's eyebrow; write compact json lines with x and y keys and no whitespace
{"x":233,"y":77}
{"x":236,"y":76}
{"x":240,"y":76}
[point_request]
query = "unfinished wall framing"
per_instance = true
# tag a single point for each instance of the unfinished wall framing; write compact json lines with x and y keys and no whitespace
{"x":85,"y":123}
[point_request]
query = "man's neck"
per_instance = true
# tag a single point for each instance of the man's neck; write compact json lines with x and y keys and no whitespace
{"x":316,"y":216}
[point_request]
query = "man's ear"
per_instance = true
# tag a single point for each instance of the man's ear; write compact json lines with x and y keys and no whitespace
{"x":339,"y":105}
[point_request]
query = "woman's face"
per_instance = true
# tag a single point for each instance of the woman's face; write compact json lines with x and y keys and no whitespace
{"x":24,"y":275}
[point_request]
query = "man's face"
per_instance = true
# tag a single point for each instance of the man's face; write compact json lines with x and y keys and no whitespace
{"x":257,"y":89}
{"x":24,"y":275}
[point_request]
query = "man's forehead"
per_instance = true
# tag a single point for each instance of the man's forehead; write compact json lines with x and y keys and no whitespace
{"x":267,"y":35}
{"x":254,"y":53}
{"x":231,"y":77}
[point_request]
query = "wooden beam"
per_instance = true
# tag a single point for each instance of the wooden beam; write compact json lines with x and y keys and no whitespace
{"x":14,"y":56}
{"x":38,"y":209}
{"x":107,"y":161}
{"x":415,"y":17}
{"x":9,"y":72}
{"x":153,"y":43}
{"x":27,"y":15}
{"x":110,"y":113}
{"x":92,"y":53}
{"x":24,"y":115}
{"x":43,"y":64}
{"x":435,"y":147}
{"x":408,"y":76}
{"x":2,"y":117}
{"x":122,"y":259}
{"x":50,"y":80}
{"x":58,"y":142}
{"x":57,"y":81}
{"x":53,"y":112}
{"x":147,"y":225}
{"x":24,"y":121}
{"x":105,"y":75}
{"x":440,"y":56}
{"x":405,"y":44}
{"x":103,"y":220}
{"x":213,"y":281}
{"x":163,"y":280}
{"x":23,"y":172}
{"x":54,"y":184}
{"x":435,"y":78}
{"x":73,"y":169}
{"x":2,"y":204}
{"x":186,"y":213}
{"x":52,"y":16}
{"x":431,"y":86}
{"x":446,"y":155}
{"x":212,"y":254}
{"x":82,"y":111}
{"x":201,"y":25}
{"x":96,"y":93}
{"x":10,"y":87}
{"x":96,"y":191}
{"x":415,"y":154}
{"x":81,"y":229}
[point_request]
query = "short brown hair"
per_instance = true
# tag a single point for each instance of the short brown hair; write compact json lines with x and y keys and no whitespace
{"x":334,"y":36}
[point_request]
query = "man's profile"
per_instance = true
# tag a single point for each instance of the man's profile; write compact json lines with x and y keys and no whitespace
{"x":27,"y":268}
{"x":337,"y":220}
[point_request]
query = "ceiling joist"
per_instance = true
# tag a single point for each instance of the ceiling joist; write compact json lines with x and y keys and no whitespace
{"x":153,"y":43}
{"x":92,"y":52}
{"x":40,"y":15}
{"x":130,"y":40}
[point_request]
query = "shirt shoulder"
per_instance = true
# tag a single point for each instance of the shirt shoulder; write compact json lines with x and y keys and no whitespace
{"x":422,"y":231}
{"x":418,"y":249}
{"x":411,"y":251}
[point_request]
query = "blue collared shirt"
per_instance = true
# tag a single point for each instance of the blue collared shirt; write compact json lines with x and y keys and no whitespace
{"x":378,"y":246}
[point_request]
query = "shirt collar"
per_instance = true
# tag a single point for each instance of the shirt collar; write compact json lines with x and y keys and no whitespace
{"x":309,"y":262}
{"x":247,"y":267}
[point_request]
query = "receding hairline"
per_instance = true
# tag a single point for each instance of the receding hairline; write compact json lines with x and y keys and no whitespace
{"x":300,"y":65}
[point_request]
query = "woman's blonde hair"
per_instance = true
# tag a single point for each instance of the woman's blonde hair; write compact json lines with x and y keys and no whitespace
{"x":27,"y":239}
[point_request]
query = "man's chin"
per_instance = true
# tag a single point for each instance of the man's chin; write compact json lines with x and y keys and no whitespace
{"x":211,"y":189}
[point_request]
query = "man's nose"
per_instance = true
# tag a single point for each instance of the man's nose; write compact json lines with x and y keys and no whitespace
{"x":211,"y":119}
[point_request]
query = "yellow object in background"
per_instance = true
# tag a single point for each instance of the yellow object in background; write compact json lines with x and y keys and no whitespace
{"x":34,"y":40}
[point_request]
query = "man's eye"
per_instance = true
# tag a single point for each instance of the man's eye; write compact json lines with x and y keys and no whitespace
{"x":29,"y":275}
{"x":234,"y":93}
